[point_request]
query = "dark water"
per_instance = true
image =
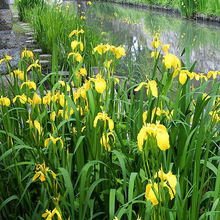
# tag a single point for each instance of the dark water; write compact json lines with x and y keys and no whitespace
{"x":134,"y":28}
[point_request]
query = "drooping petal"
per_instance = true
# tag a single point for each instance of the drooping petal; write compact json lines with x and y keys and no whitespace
{"x":152,"y":85}
{"x":98,"y":117}
{"x":162,"y":138}
{"x":37,"y":174}
{"x":110,"y":124}
{"x":100,"y":85}
{"x":172,"y":180}
{"x":166,"y":48}
{"x":44,"y":215}
{"x":53,"y":174}
{"x":46,"y":142}
{"x":150,"y":195}
{"x":42,"y":177}
{"x":74,"y":44}
{"x":182,"y":77}
{"x":140,"y":86}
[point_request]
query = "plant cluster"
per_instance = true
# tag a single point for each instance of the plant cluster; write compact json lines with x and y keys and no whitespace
{"x":23,"y":5}
{"x":93,"y":148}
{"x":52,"y":23}
{"x":188,"y":8}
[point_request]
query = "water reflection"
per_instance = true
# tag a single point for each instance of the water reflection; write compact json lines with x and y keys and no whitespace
{"x":134,"y":28}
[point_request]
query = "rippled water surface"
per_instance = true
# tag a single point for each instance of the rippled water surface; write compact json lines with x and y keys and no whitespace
{"x":134,"y":28}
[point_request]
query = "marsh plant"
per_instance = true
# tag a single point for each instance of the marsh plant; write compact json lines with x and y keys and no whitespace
{"x":22,"y":5}
{"x":82,"y":149}
{"x":52,"y":24}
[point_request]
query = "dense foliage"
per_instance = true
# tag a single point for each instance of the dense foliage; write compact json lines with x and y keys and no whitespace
{"x":188,"y":8}
{"x":101,"y":147}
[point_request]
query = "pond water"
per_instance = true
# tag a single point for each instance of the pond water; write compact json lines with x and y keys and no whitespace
{"x":134,"y":28}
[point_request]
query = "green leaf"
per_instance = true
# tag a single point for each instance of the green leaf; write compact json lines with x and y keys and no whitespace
{"x":8,"y":200}
{"x":69,"y":186}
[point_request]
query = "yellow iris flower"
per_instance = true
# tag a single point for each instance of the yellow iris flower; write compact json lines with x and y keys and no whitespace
{"x":35,"y":101}
{"x":150,"y":195}
{"x":156,"y":42}
{"x":76,"y":32}
{"x":22,"y":98}
{"x":183,"y":75}
{"x":53,"y":116}
{"x":215,"y":116}
{"x":5,"y":101}
{"x":152,"y":85}
{"x":49,"y":215}
{"x":158,"y":131}
{"x":170,"y":60}
{"x":77,"y":56}
{"x":27,"y":53}
{"x":6,"y":59}
{"x":119,"y":51}
{"x":81,"y":92}
{"x":75,"y":43}
{"x":166,"y":48}
{"x":62,"y":83}
{"x":61,"y":113}
{"x":38,"y":127}
{"x":158,"y":112}
{"x":54,"y":140}
{"x":18,"y":73}
{"x":35,"y":64}
{"x":30,"y":84}
{"x":47,"y":99}
{"x":104,"y":117}
{"x":154,"y":54}
{"x":100,"y":83}
{"x":213,"y":74}
{"x":167,"y":180}
{"x":101,"y":48}
{"x":104,"y":141}
{"x":43,"y":171}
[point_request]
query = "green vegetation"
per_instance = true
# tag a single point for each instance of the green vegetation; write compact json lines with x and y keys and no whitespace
{"x":22,"y":5}
{"x":53,"y":24}
{"x":188,"y":8}
{"x":82,"y":149}
{"x":190,"y":35}
{"x":18,"y":29}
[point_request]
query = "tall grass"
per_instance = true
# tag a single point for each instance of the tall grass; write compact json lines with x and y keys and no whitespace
{"x":89,"y":151}
{"x":53,"y":24}
{"x":22,"y":5}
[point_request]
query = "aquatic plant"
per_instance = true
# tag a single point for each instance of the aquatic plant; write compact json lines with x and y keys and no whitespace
{"x":90,"y":148}
{"x":83,"y":149}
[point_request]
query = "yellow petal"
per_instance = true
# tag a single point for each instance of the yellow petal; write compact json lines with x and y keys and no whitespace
{"x":110,"y":124}
{"x":172,"y":180}
{"x":53,"y":174}
{"x":100,"y":85}
{"x":95,"y":121}
{"x":150,"y":195}
{"x":61,"y":141}
{"x":46,"y":214}
{"x":37,"y":174}
{"x":140,"y":86}
{"x":162,"y":138}
{"x":182,"y":77}
{"x":46,"y":142}
{"x":153,"y":87}
{"x":144,"y":116}
{"x":74,"y":44}
{"x":42,"y":177}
